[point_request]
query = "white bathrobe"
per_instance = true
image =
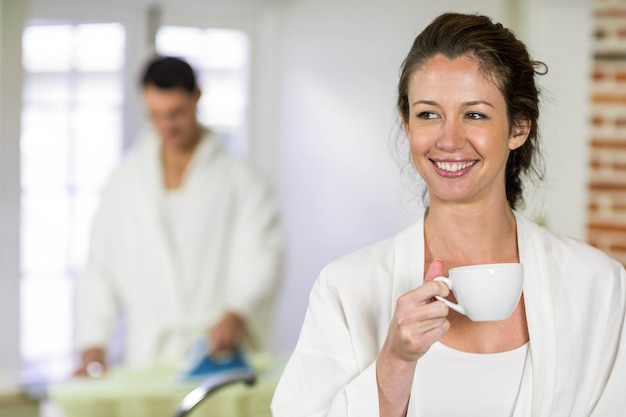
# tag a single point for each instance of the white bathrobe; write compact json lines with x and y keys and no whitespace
{"x":231,"y":252}
{"x":575,"y":301}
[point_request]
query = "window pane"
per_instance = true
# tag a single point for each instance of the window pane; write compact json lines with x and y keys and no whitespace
{"x":45,"y":230}
{"x":46,"y":316}
{"x":180,"y":41}
{"x":47,"y":48}
{"x":97,"y":133}
{"x":100,"y":47}
{"x":225,"y":101}
{"x":44,"y":146}
{"x":99,"y":88}
{"x":49,"y":89}
{"x":84,"y":204}
{"x":224,"y":49}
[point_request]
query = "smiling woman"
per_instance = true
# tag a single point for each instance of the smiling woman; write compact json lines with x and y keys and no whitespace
{"x":379,"y":338}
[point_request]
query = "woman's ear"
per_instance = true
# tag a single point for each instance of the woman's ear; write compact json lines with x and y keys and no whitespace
{"x":519,"y":133}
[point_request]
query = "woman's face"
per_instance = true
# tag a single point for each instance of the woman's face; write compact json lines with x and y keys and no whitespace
{"x":459,"y":131}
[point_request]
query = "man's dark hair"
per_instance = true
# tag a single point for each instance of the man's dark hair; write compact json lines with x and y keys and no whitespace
{"x":169,"y":73}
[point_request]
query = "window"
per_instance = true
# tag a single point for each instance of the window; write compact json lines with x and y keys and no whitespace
{"x":72,"y":129}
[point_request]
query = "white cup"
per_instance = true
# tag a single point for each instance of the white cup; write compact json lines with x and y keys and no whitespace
{"x":487,"y":292}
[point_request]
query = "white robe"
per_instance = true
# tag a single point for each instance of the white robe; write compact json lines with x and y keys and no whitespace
{"x":232,"y":250}
{"x":575,"y":301}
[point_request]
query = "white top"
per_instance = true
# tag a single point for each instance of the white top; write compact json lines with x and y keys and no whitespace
{"x":486,"y":384}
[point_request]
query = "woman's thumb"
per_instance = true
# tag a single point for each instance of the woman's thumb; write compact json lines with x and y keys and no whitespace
{"x":435,"y":269}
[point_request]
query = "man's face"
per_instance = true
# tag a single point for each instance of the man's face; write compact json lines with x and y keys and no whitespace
{"x":173,"y":113}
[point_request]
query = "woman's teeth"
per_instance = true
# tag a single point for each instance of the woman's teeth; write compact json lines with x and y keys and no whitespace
{"x":454,"y":166}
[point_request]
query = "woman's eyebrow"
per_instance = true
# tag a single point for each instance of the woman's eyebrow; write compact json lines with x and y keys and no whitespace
{"x":427,"y":102}
{"x":476,"y":103}
{"x":464,"y":104}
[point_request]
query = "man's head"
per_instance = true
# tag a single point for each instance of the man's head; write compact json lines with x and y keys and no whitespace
{"x":171,"y":96}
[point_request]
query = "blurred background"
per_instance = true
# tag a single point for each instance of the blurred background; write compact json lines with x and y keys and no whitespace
{"x":305,"y":90}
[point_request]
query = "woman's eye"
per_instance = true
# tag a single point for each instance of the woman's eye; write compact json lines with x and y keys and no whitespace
{"x":475,"y":116}
{"x":426,"y":115}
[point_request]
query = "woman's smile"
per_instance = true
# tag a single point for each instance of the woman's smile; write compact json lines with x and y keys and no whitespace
{"x":453,"y":169}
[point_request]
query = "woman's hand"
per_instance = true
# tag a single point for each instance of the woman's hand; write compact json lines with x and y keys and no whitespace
{"x":418,"y":322}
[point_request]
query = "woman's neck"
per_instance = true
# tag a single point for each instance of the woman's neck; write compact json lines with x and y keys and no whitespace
{"x":464,"y":235}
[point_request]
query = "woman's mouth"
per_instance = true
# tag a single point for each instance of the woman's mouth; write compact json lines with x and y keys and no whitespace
{"x":453,"y":168}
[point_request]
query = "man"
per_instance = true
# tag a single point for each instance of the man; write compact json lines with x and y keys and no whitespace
{"x":185,"y":245}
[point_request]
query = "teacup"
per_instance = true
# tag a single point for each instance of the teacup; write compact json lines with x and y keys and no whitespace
{"x":487,"y":292}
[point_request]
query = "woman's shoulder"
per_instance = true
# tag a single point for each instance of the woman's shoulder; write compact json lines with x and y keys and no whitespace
{"x":576,"y":255}
{"x":364,"y":258}
{"x":565,"y":245}
{"x":379,"y":261}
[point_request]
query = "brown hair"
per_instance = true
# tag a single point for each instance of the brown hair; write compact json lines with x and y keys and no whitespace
{"x":501,"y":56}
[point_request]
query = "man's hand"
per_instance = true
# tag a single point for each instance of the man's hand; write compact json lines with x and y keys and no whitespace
{"x":227,"y":334}
{"x":93,"y":363}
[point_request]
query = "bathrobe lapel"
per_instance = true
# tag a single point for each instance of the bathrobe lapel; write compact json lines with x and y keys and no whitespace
{"x":158,"y":241}
{"x":539,"y":380}
{"x":408,"y":273}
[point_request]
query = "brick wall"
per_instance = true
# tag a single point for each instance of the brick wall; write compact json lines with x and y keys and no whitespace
{"x":607,"y":185}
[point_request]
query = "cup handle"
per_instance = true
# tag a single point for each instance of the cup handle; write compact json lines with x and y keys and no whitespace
{"x":455,"y":307}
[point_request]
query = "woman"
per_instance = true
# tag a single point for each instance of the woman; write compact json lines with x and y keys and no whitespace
{"x":375,"y":341}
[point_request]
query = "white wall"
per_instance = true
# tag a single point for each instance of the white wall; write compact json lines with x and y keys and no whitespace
{"x":12,"y":15}
{"x":560,"y":34}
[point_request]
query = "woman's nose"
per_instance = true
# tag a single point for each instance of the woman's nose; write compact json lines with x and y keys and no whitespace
{"x":451,"y":137}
